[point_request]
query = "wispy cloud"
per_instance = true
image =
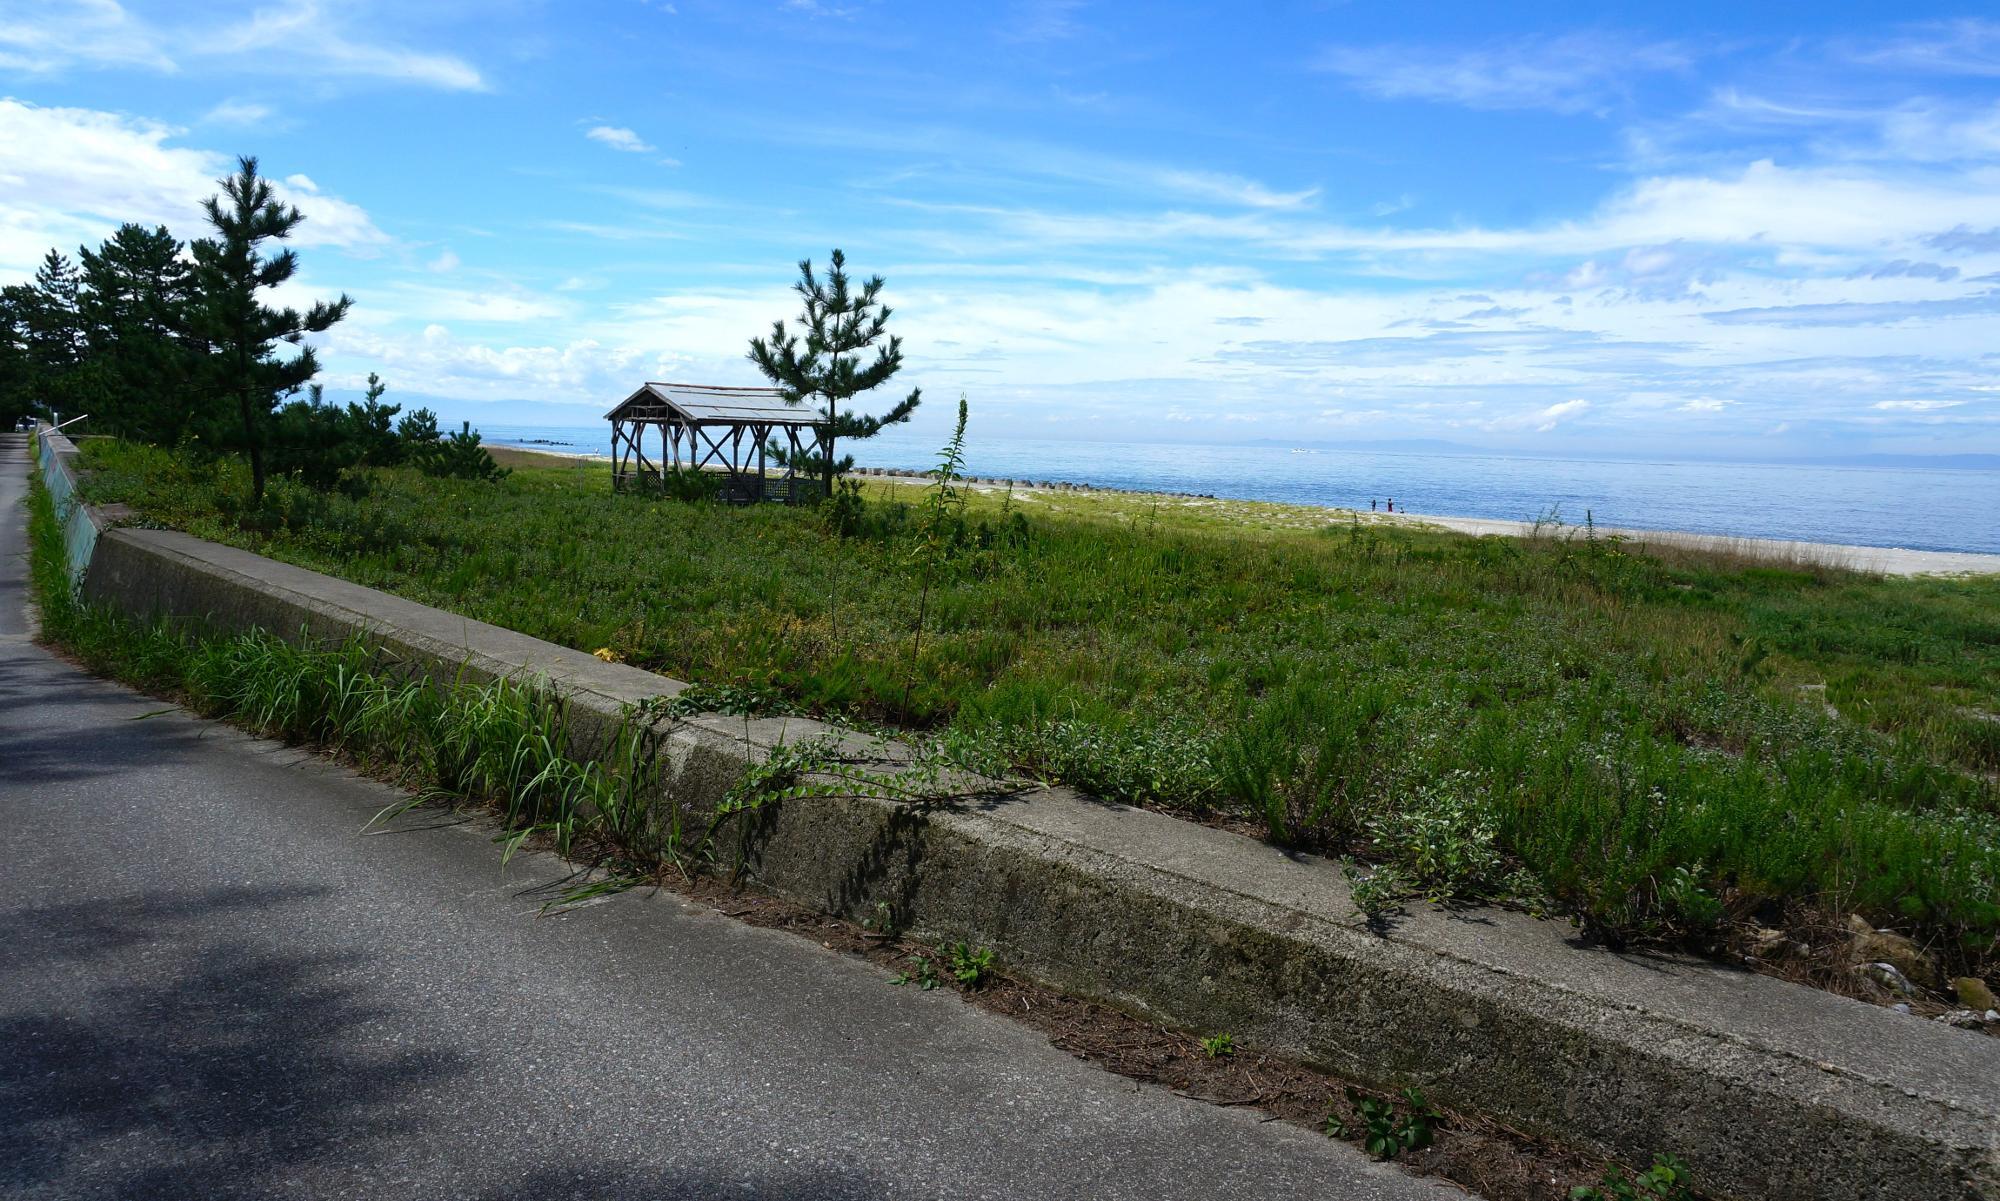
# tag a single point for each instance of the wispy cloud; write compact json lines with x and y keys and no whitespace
{"x":238,"y":113}
{"x":1568,"y":73}
{"x":954,"y":158}
{"x":1968,"y":46}
{"x":1657,"y":225}
{"x":1907,"y":269}
{"x":1915,"y":406}
{"x":45,"y":37}
{"x":1963,"y":239}
{"x":816,"y":8}
{"x":1858,"y":313}
{"x":1231,"y":189}
{"x":1042,"y":20}
{"x":315,"y":43}
{"x":618,"y":138}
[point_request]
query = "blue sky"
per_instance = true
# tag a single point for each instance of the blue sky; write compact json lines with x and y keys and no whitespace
{"x":1732,"y":229}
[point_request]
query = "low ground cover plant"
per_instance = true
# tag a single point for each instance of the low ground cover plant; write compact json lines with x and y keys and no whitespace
{"x":1626,"y":736}
{"x":1668,"y":1179}
{"x":1386,"y":1128}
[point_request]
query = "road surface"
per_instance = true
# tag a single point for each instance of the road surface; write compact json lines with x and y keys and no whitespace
{"x":212,"y":984}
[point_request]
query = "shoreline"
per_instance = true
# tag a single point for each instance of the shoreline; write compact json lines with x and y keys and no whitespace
{"x":1879,"y":560}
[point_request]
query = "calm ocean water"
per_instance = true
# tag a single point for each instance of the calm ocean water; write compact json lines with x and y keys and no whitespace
{"x":1912,"y":508}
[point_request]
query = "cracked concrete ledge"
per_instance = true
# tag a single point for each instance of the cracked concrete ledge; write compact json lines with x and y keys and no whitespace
{"x":1770,"y":1091}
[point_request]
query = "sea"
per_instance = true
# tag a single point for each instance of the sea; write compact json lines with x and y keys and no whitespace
{"x":1912,"y":508}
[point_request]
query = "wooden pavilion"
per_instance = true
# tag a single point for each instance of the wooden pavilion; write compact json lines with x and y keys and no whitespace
{"x":706,"y":428}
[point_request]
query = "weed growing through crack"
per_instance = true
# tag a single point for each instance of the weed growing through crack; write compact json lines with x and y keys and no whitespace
{"x":922,"y":972}
{"x":1219,"y":1046}
{"x":969,"y":964}
{"x":1668,"y":1179}
{"x":1385,"y":1129}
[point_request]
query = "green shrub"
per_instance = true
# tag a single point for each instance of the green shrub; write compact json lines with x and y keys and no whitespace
{"x":458,"y":456}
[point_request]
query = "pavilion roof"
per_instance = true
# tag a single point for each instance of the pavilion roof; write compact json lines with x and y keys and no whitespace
{"x":709,"y":404}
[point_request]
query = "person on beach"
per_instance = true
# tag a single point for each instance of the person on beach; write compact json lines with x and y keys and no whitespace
{"x":1392,"y":504}
{"x":1371,"y":504}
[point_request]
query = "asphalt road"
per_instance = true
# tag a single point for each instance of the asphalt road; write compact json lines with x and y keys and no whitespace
{"x":212,"y":984}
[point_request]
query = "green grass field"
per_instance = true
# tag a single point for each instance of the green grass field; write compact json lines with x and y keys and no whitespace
{"x":1668,"y":747}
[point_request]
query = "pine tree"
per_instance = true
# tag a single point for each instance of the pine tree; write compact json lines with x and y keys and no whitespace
{"x":244,"y":333}
{"x":417,"y":429}
{"x":373,"y":426}
{"x":55,"y":335}
{"x":55,"y":332}
{"x":41,"y":342}
{"x":840,"y":326}
{"x":133,"y":306}
{"x":18,"y":395}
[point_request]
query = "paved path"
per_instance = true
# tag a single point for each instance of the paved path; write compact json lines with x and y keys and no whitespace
{"x":212,"y":985}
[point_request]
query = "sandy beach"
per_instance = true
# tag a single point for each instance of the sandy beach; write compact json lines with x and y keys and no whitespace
{"x":1878,"y":559}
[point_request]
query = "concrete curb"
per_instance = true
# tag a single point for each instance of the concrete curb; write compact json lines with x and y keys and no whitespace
{"x":1769,"y":1090}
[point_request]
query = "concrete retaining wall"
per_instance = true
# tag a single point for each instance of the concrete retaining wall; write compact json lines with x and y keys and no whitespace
{"x":1769,"y":1090}
{"x":56,"y":456}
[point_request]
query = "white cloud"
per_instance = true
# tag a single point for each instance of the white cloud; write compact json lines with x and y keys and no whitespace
{"x":313,"y":41}
{"x":1764,"y":206}
{"x":1550,"y":417}
{"x":1042,"y":21}
{"x":330,"y":221}
{"x":494,"y":304}
{"x":816,"y":8}
{"x":1570,"y":73}
{"x":618,"y":138}
{"x":72,"y":175}
{"x":445,"y":263}
{"x":1096,"y":356}
{"x":237,"y":112}
{"x":1963,"y":47}
{"x":1915,"y":406}
{"x":1233,"y":189}
{"x":41,"y":37}
{"x":1938,"y":133}
{"x":437,"y":362}
{"x":1041,"y":160}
